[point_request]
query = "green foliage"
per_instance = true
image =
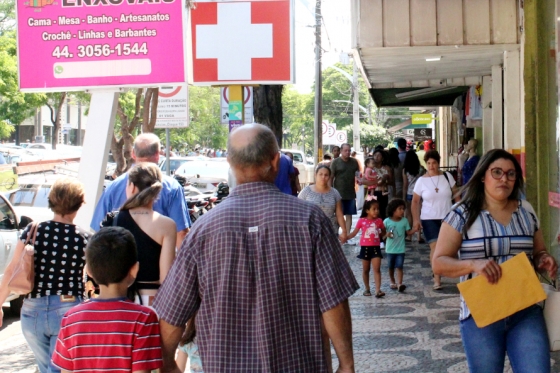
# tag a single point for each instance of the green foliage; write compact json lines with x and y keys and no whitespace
{"x":371,"y":136}
{"x":7,"y":15}
{"x":338,"y":96}
{"x":15,"y":106}
{"x":205,"y":128}
{"x":297,"y":119}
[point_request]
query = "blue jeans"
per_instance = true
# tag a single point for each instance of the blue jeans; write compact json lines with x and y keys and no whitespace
{"x":40,"y":323}
{"x":523,"y":336}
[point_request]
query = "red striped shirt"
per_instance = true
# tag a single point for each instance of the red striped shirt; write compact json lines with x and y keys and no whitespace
{"x":108,"y":335}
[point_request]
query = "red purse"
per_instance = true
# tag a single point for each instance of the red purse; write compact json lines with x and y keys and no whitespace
{"x":23,"y":277}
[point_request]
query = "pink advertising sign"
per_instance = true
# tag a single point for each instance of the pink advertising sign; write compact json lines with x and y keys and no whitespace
{"x":78,"y":44}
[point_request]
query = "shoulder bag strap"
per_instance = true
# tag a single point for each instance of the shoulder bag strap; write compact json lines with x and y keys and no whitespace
{"x":32,"y":233}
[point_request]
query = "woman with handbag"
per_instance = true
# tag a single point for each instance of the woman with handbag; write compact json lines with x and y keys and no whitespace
{"x":490,"y":225}
{"x":435,"y":189}
{"x":155,"y":234}
{"x":58,"y":264}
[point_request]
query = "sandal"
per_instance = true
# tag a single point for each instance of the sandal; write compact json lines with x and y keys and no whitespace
{"x":401,"y":288}
{"x":367,"y":293}
{"x":379,"y":294}
{"x":394,"y":286}
{"x":437,"y":287}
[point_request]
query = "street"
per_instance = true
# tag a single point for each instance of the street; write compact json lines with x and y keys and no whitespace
{"x":411,"y":332}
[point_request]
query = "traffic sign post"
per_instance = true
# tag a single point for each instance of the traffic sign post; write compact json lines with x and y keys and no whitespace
{"x":173,"y":107}
{"x":235,"y":107}
{"x":247,"y":104}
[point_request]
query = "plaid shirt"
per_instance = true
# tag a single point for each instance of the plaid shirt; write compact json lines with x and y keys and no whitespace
{"x":261,"y":267}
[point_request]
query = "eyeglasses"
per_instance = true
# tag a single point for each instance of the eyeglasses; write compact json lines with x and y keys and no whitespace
{"x":497,"y":173}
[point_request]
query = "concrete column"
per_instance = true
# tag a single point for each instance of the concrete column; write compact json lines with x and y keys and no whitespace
{"x":497,"y":107}
{"x":512,"y":103}
{"x":95,"y":152}
{"x":487,"y":142}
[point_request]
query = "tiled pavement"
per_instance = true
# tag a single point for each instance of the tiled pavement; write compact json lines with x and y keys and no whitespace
{"x":412,"y":332}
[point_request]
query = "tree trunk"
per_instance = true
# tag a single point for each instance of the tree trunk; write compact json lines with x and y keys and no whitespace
{"x":122,"y":148}
{"x":149,"y":114}
{"x":56,"y":118}
{"x":267,"y":108}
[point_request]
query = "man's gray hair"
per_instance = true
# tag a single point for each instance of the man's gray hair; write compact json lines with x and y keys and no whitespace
{"x":146,"y":145}
{"x":262,"y":149}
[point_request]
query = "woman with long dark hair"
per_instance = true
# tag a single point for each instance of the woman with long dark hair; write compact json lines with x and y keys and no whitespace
{"x":383,"y":172}
{"x":394,"y":162}
{"x":489,"y":226}
{"x":154,"y":233}
{"x":410,"y":173}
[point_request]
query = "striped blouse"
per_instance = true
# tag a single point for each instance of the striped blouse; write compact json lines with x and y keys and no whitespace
{"x":487,"y":238}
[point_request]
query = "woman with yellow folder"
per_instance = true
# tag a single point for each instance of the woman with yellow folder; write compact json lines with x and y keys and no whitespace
{"x":490,"y":225}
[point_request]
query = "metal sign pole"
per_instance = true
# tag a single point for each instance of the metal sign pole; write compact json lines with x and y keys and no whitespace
{"x":167,"y":151}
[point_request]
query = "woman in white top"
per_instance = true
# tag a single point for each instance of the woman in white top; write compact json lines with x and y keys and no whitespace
{"x":435,"y":189}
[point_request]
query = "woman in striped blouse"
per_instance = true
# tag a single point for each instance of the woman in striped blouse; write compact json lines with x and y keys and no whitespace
{"x":489,"y":226}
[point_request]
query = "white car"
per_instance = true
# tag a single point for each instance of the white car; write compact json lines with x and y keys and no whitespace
{"x":205,"y":175}
{"x":11,"y":226}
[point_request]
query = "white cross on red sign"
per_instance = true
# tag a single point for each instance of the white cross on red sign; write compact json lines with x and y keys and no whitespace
{"x":240,"y":42}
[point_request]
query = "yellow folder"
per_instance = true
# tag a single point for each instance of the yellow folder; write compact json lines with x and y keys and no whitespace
{"x":517,"y":289}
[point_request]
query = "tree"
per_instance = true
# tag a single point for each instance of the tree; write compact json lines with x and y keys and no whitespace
{"x":297,"y":118}
{"x":15,"y":106}
{"x":267,"y":108}
{"x":371,"y":136}
{"x":338,"y":97}
{"x":128,"y":118}
{"x":7,"y":15}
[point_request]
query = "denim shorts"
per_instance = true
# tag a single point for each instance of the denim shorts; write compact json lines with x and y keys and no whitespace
{"x":395,"y":260}
{"x":349,"y":207}
{"x":409,"y":197}
{"x":431,"y":229}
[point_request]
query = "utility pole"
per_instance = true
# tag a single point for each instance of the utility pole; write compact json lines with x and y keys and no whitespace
{"x":318,"y":124}
{"x":356,"y":109}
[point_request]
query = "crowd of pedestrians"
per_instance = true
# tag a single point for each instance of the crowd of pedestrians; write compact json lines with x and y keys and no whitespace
{"x":261,"y":283}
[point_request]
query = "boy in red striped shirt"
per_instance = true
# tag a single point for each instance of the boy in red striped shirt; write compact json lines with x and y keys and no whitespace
{"x":109,"y":333}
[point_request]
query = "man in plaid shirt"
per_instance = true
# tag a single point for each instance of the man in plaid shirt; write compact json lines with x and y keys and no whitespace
{"x":265,"y":271}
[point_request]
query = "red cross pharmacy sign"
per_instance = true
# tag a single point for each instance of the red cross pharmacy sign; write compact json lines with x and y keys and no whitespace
{"x":241,"y":42}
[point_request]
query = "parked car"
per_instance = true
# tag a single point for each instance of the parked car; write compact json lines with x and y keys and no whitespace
{"x":176,"y":162}
{"x":306,"y":169}
{"x":11,"y":226}
{"x":205,"y":175}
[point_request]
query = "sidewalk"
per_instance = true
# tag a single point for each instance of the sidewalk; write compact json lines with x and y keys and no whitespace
{"x":412,"y":332}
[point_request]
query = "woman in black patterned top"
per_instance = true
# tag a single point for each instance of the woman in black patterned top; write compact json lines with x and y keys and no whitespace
{"x":59,"y":264}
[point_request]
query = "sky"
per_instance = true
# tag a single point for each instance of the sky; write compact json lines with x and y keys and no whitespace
{"x":335,"y":37}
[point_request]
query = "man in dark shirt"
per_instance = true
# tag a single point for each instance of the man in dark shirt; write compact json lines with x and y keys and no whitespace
{"x":343,"y":178}
{"x":264,"y":270}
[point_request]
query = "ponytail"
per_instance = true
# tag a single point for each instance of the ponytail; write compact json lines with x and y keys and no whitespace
{"x":143,"y":198}
{"x":147,"y":178}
